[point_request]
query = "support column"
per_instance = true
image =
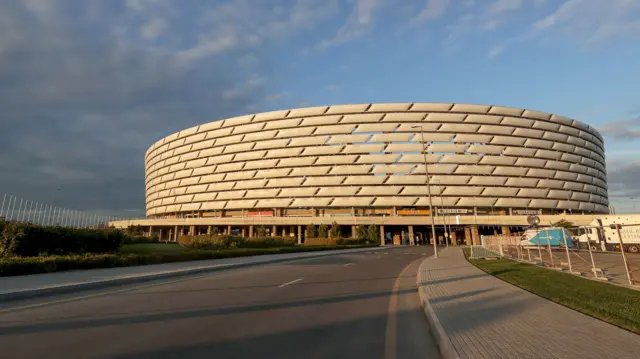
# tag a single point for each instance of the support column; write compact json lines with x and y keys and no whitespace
{"x":393,"y":211}
{"x":412,"y":240}
{"x":284,"y":231}
{"x":209,"y":230}
{"x":292,"y":230}
{"x":228,"y":230}
{"x":402,"y":236}
{"x":244,"y":232}
{"x":353,"y":232}
{"x":382,"y":241}
{"x":299,"y":234}
{"x":467,"y":236}
{"x":150,"y":231}
{"x":176,"y":234}
{"x":454,"y":241}
{"x":160,"y":235}
{"x":192,"y":230}
{"x":475,"y":236}
{"x":251,"y":231}
{"x":274,"y":231}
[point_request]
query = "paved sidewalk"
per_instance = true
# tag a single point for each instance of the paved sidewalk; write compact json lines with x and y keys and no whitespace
{"x":485,"y":317}
{"x":45,"y":281}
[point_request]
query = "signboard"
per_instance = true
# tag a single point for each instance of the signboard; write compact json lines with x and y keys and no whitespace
{"x":413,"y":212}
{"x":454,"y":211}
{"x":382,"y":211}
{"x":260,"y":214}
{"x":525,"y":212}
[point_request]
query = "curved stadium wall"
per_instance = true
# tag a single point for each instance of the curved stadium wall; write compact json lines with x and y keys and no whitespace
{"x":369,"y":157}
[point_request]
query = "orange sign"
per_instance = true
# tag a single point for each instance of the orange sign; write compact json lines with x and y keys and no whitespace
{"x":413,"y":212}
{"x":260,"y":214}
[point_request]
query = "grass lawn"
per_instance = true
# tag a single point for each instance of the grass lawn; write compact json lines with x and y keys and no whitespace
{"x":616,"y":305}
{"x":142,"y":248}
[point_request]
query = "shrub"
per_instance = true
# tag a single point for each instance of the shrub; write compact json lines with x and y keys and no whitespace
{"x":310,"y":231}
{"x":209,"y":241}
{"x":372,"y":234}
{"x":26,"y":239}
{"x":267,"y":242}
{"x":322,"y":231}
{"x":261,"y":231}
{"x":361,"y":232}
{"x":32,"y":265}
{"x":350,"y":241}
{"x":334,"y":232}
{"x":319,"y":241}
{"x":215,"y":242}
{"x":333,"y":241}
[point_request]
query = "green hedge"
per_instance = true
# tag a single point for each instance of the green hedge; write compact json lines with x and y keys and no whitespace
{"x":268,"y":242}
{"x":334,"y":241}
{"x":209,"y":241}
{"x":12,"y":266}
{"x":215,"y":242}
{"x":28,"y":240}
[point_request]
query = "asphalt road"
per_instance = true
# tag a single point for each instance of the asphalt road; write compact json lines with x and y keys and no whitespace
{"x":361,"y":305}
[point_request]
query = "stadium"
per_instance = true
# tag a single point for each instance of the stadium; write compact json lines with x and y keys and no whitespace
{"x":477,"y":167}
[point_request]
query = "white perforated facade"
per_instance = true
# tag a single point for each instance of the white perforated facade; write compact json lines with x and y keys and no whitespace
{"x":371,"y":156}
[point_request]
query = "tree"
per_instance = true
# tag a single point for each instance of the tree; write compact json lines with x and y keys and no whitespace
{"x":311,"y":231}
{"x":361,"y":233}
{"x":261,"y":232}
{"x":334,"y":232}
{"x":372,"y":233}
{"x":322,"y":231}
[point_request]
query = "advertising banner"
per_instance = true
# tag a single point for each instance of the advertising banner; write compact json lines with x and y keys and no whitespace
{"x":260,"y":214}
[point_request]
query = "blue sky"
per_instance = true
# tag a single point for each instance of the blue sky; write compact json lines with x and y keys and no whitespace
{"x":87,"y":86}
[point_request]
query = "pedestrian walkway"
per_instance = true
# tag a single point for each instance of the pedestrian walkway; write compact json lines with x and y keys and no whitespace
{"x":34,"y":282}
{"x":485,"y":317}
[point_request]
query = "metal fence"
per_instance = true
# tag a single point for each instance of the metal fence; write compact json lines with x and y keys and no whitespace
{"x":607,"y":253}
{"x":13,"y":208}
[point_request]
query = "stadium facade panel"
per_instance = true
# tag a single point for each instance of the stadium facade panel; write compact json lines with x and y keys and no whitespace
{"x":370,"y":159}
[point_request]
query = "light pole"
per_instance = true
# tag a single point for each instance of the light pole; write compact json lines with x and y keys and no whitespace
{"x":447,"y":232}
{"x":426,"y":171}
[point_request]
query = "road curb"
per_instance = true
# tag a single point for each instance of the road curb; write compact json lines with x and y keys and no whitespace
{"x":77,"y":287}
{"x":443,"y":341}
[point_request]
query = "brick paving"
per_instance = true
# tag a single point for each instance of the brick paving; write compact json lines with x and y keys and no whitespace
{"x":485,"y":317}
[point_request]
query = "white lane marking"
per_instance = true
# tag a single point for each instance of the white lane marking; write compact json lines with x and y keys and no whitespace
{"x":385,"y":253}
{"x":289,"y":283}
{"x":348,"y":264}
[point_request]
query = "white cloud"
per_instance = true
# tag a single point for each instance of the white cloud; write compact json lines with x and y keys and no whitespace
{"x":589,"y":21}
{"x":359,"y":23}
{"x":249,"y":23}
{"x":502,"y":6}
{"x":152,"y":28}
{"x":274,"y":97}
{"x":496,"y":50}
{"x":433,"y":10}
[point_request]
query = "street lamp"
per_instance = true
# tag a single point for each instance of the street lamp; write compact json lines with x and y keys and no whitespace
{"x":447,"y":232}
{"x":426,"y":171}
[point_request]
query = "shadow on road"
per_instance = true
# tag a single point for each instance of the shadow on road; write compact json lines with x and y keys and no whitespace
{"x":162,"y":317}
